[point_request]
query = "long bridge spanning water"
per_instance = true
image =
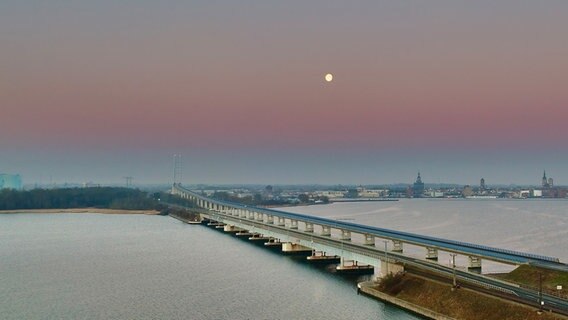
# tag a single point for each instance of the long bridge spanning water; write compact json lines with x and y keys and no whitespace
{"x":298,"y":232}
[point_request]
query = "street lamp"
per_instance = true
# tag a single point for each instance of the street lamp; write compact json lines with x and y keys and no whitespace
{"x":540,"y":301}
{"x":454,"y":284}
{"x":386,"y":257}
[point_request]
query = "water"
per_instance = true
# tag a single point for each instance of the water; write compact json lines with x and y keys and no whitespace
{"x":537,"y":225}
{"x":89,"y":266}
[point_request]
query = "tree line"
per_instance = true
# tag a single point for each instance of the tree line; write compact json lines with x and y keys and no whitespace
{"x":66,"y":198}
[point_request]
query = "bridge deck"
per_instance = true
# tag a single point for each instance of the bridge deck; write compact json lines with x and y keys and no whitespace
{"x":487,"y":252}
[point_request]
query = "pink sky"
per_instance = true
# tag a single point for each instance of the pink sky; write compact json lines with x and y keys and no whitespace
{"x":446,"y":76}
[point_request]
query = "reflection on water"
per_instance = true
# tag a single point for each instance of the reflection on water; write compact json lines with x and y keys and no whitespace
{"x":70,"y":266}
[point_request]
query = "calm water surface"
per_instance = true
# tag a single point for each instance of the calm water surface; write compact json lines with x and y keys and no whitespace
{"x":89,"y":266}
{"x":536,"y":226}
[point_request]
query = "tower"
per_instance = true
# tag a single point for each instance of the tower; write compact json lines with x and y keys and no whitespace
{"x":177,"y":169}
{"x":482,"y":184}
{"x":545,"y":180}
{"x":418,"y":187}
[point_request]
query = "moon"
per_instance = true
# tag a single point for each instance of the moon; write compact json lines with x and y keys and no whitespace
{"x":329,"y":77}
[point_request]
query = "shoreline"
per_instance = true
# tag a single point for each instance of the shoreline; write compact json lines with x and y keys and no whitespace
{"x":80,"y":210}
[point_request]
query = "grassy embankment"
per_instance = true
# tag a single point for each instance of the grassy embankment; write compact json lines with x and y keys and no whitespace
{"x":528,"y":276}
{"x":460,"y":304}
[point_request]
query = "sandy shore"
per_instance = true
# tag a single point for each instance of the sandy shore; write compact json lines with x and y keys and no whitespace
{"x":81,"y":210}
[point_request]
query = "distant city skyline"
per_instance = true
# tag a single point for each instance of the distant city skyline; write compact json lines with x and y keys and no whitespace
{"x":458,"y":90}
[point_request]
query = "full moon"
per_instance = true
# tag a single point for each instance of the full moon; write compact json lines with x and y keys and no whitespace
{"x":328,"y":77}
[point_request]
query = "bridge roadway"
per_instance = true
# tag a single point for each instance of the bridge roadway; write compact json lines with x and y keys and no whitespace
{"x":367,"y":253}
{"x":470,"y":249}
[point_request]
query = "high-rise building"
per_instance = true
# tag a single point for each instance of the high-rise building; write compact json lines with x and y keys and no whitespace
{"x":10,"y":181}
{"x":418,"y":187}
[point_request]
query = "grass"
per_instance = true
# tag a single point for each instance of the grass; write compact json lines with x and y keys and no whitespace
{"x":460,"y":303}
{"x":529,"y":276}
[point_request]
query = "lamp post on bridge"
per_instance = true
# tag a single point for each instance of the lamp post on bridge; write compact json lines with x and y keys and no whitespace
{"x":386,"y":257}
{"x":454,"y":283}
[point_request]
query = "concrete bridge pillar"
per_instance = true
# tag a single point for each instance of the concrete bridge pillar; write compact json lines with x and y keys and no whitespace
{"x":369,"y":240}
{"x":242,"y":213}
{"x":474,"y":264}
{"x":309,"y":227}
{"x":294,"y":248}
{"x":250,"y":215}
{"x":269,"y":219}
{"x":388,"y":267}
{"x":431,"y":253}
{"x":281,"y":222}
{"x":326,"y":231}
{"x":345,"y":234}
{"x":397,"y":246}
{"x":260,"y":217}
{"x":293,"y":224}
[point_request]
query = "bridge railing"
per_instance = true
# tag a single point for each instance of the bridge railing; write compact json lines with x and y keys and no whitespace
{"x":422,"y":240}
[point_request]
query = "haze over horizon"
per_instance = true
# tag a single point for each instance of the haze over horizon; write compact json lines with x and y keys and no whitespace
{"x":458,"y":90}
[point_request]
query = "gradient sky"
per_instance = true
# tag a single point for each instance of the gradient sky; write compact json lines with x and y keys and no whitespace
{"x":98,"y":90}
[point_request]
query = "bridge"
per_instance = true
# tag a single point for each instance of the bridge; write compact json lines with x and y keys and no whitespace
{"x":297,"y":232}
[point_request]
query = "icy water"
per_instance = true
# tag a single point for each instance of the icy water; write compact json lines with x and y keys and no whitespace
{"x":89,"y":266}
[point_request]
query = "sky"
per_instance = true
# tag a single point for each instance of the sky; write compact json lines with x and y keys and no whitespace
{"x":458,"y":90}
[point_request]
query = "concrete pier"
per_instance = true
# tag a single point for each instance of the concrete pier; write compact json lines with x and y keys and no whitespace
{"x":396,"y":246}
{"x":474,"y":264}
{"x":326,"y":231}
{"x":243,"y":234}
{"x":353,"y":267}
{"x":431,"y":253}
{"x":309,"y":227}
{"x":390,"y":268}
{"x":345,"y":234}
{"x":323,"y":258}
{"x":369,"y":240}
{"x":294,"y":224}
{"x":295,"y":249}
{"x":259,"y":238}
{"x":273,"y":244}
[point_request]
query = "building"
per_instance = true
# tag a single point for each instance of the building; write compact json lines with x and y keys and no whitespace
{"x":467,"y":191}
{"x":418,"y":187}
{"x":545,"y":181}
{"x":482,"y":184}
{"x":10,"y":181}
